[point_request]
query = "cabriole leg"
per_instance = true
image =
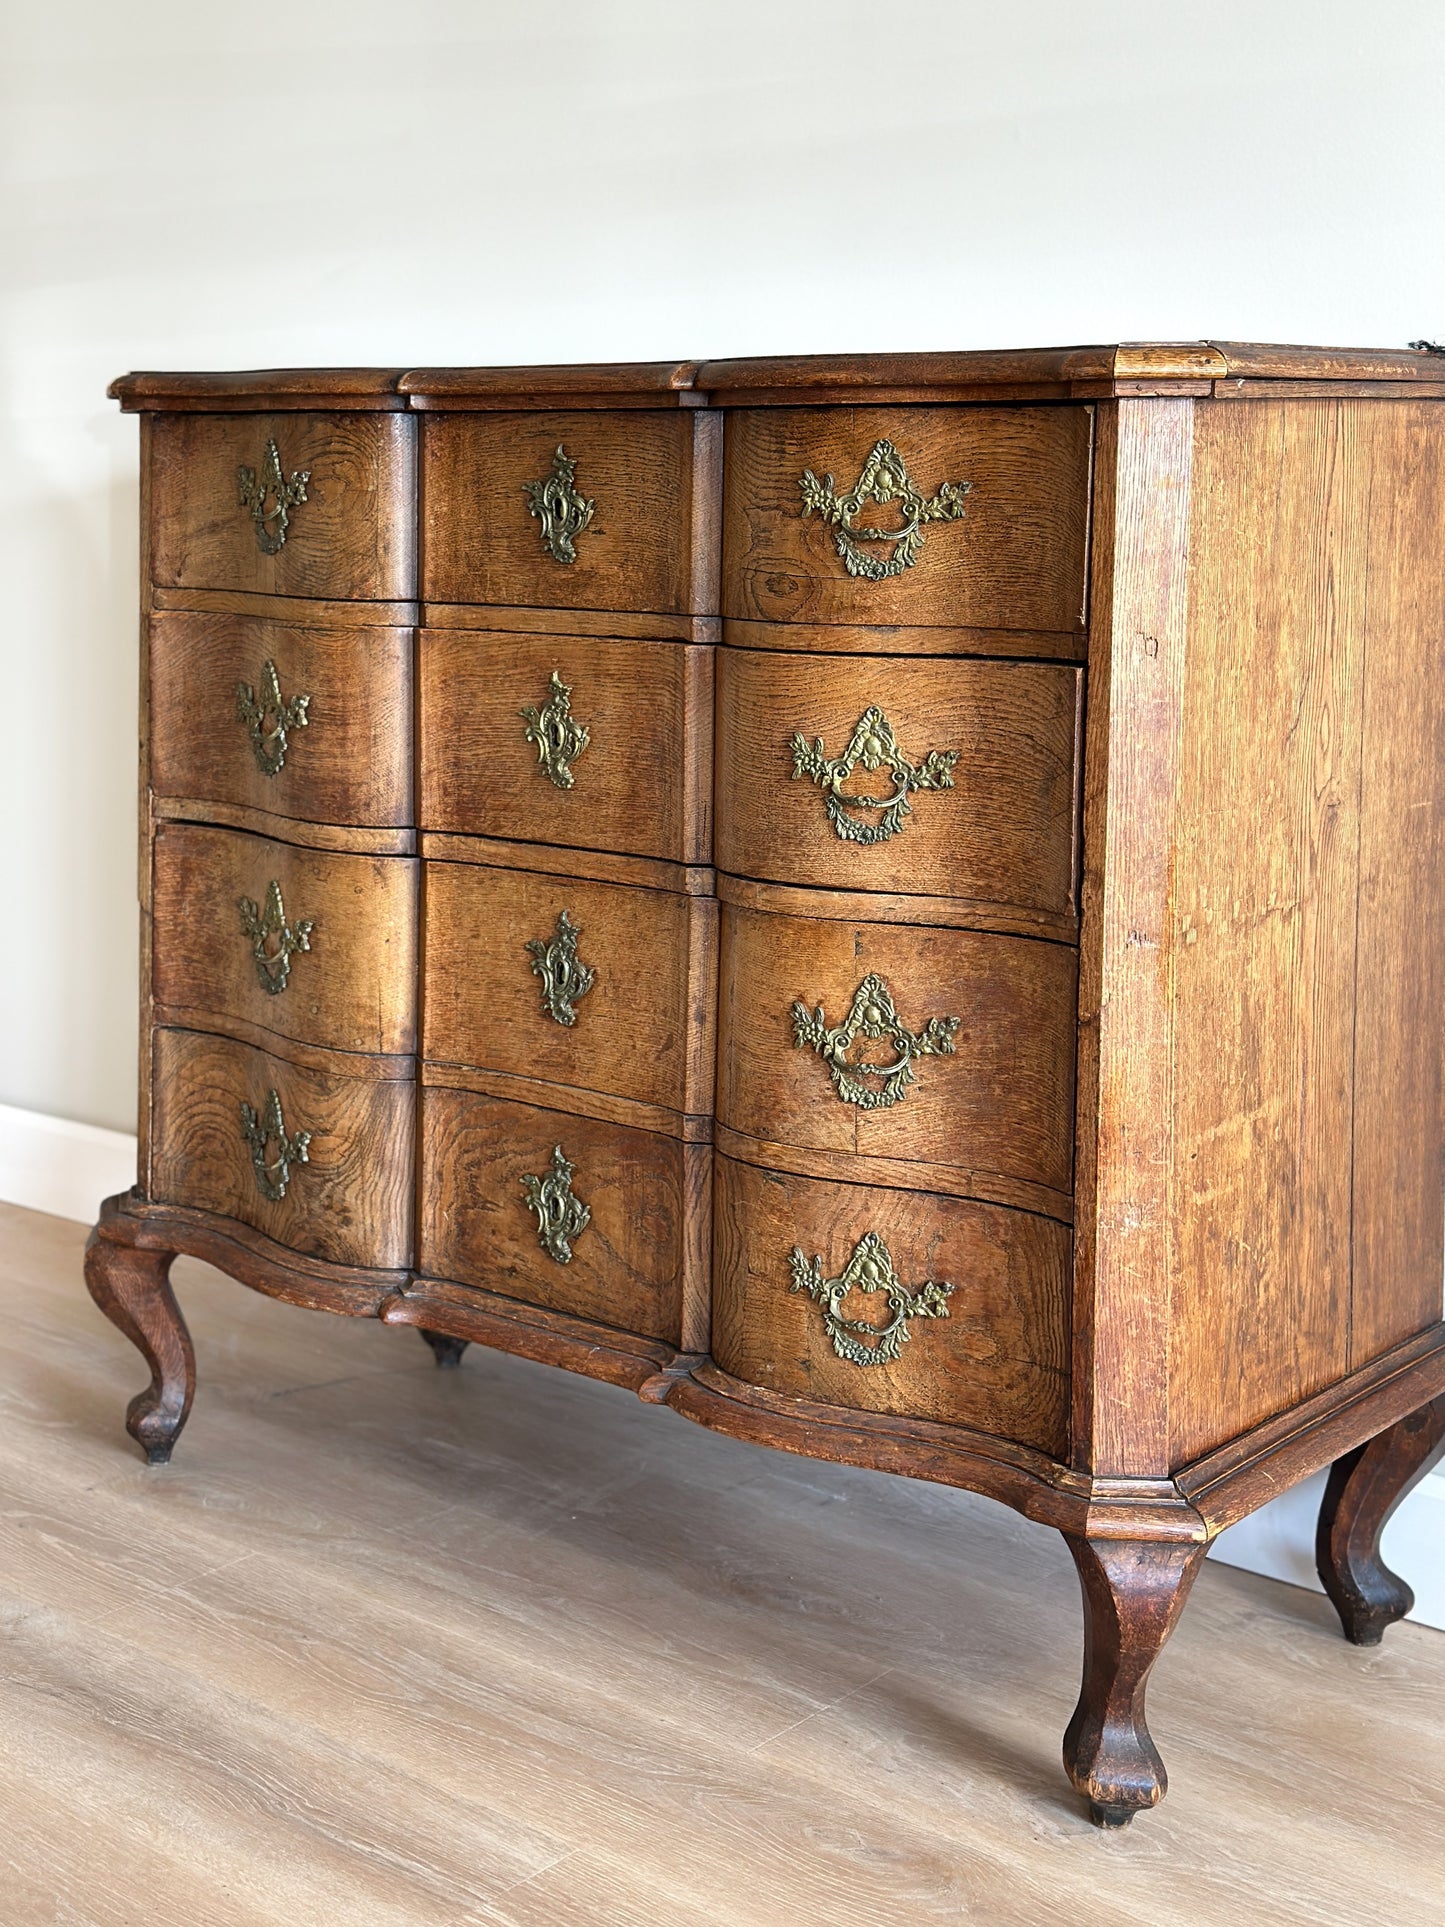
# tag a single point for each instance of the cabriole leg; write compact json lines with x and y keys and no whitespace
{"x":1364,"y":1488}
{"x":447,"y":1351}
{"x":132,"y":1287}
{"x":1134,"y":1591}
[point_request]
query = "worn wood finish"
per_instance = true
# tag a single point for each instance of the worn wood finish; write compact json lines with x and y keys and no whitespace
{"x":1001,"y":1102}
{"x":1002,"y":835}
{"x":595,"y":866}
{"x":132,"y":1287}
{"x":645,"y":1028}
{"x":883,"y":639}
{"x":350,"y":764}
{"x":353,"y":536}
{"x":652,"y":473}
{"x":1015,"y":561}
{"x":694,"y":1127}
{"x":639,"y":1265}
{"x":643,"y":784}
{"x":881,"y":906}
{"x":997,"y":1363}
{"x":349,"y":1203}
{"x":1364,"y":1488}
{"x":354,"y":986}
{"x":613,"y":625}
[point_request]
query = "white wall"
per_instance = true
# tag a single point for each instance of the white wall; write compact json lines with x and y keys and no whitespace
{"x":190,"y":184}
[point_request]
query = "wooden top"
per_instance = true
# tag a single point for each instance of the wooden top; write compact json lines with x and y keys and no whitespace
{"x":1189,"y":367}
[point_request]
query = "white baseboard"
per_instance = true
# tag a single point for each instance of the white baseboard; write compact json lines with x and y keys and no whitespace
{"x":50,"y":1164}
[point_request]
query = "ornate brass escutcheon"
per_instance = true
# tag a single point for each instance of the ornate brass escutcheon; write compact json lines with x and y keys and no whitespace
{"x":884,"y":479}
{"x":560,"y":508}
{"x":269,"y":738}
{"x":874,"y":745}
{"x":273,"y":1174}
{"x":559,"y":739}
{"x":274,"y":941}
{"x":560,"y":1216}
{"x":870,"y":1269}
{"x":872,"y":1016}
{"x":564,"y":979}
{"x":271,"y":485}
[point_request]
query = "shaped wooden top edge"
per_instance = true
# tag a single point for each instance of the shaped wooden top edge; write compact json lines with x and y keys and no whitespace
{"x":657,"y":383}
{"x":260,"y":388}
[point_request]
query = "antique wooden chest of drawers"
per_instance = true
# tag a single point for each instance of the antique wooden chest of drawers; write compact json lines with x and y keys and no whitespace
{"x":887,"y":904}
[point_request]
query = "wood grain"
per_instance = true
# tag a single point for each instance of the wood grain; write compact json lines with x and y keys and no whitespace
{"x":893,"y":639}
{"x":482,"y":544}
{"x":1002,"y":1102}
{"x":642,"y":785}
{"x":998,"y":1363}
{"x":1015,"y":561}
{"x":350,"y":1203}
{"x":633,"y":1267}
{"x":880,"y":906}
{"x":353,"y":536}
{"x":610,"y":624}
{"x":351,"y":764}
{"x":1003,"y":835}
{"x":644,"y":1030}
{"x":352,"y":989}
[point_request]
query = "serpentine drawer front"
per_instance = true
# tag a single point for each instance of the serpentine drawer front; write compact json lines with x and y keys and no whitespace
{"x":868,"y":900}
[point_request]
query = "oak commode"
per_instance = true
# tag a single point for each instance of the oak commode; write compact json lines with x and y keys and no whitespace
{"x":889,"y":904}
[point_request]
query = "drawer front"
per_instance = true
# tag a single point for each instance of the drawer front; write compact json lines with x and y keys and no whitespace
{"x":285,"y":504}
{"x":566,"y":740}
{"x":971,"y":794}
{"x":599,"y":986}
{"x":229,"y":1124}
{"x":311,"y":724}
{"x":250,"y":934}
{"x":996,"y":498}
{"x":800,"y":1264}
{"x":936,"y":1047}
{"x":607,"y":524}
{"x":624,"y":1212}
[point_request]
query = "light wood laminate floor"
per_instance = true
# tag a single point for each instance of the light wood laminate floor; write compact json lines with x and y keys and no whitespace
{"x":392,"y":1647}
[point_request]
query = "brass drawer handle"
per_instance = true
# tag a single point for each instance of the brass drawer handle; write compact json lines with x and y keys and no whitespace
{"x":273,"y":963}
{"x":869,"y":1269}
{"x":560,"y":1216}
{"x":559,"y":507}
{"x":270,"y":739}
{"x":558,"y":737}
{"x":256,"y":490}
{"x":873,"y":1017}
{"x":565,"y":981}
{"x":273,"y":1174}
{"x":884,"y":479}
{"x":874,"y":745}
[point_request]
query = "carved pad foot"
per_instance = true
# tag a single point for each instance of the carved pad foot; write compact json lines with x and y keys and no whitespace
{"x":1134,"y":1592}
{"x":1364,"y":1488}
{"x":447,"y":1351}
{"x":132,"y":1287}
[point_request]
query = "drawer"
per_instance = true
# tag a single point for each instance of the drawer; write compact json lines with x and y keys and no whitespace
{"x":603,"y":987}
{"x":972,"y":793}
{"x":972,"y":1036}
{"x":625,"y":1212}
{"x":1007,"y":552}
{"x":250,"y":934}
{"x":600,"y":745}
{"x":229,"y":1124}
{"x":572,"y":509}
{"x":305,"y":723}
{"x":285,"y":504}
{"x":798,"y":1264}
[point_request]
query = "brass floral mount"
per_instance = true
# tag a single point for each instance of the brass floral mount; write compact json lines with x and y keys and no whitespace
{"x":270,"y":740}
{"x":870,"y":1269}
{"x":564,"y":979}
{"x":273,"y":1174}
{"x":560,"y":1217}
{"x":560,"y":508}
{"x":872,"y":1016}
{"x":256,"y":490}
{"x":874,"y":745}
{"x":884,"y":479}
{"x":558,"y":737}
{"x":265,"y":924}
